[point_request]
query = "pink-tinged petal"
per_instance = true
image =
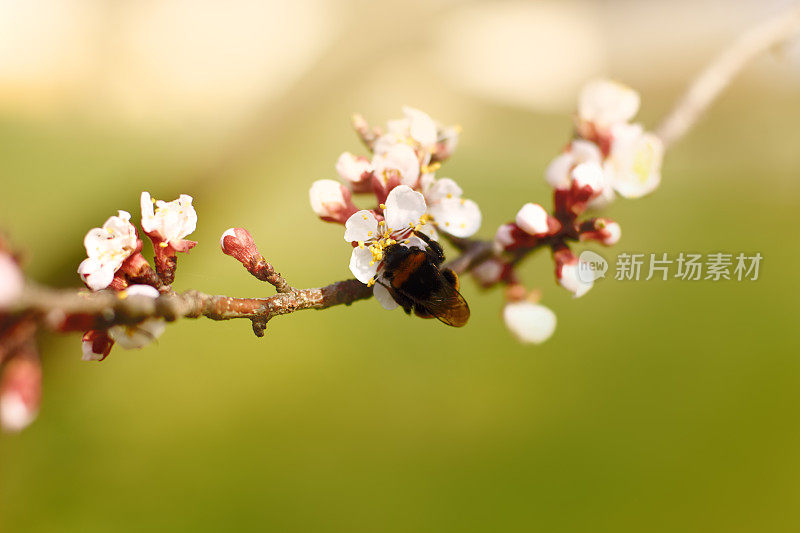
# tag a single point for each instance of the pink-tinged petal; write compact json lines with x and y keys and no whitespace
{"x":529,"y":322}
{"x":421,"y":126}
{"x":606,"y":103}
{"x":384,"y":297}
{"x":404,"y":208}
{"x":504,"y":237}
{"x":489,"y":272}
{"x":362,"y":264}
{"x":326,"y":197}
{"x":352,"y":168}
{"x":458,"y":217}
{"x":362,"y":226}
{"x":533,"y":219}
{"x":11,"y":280}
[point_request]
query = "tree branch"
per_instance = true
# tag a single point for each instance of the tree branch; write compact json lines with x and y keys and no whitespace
{"x":720,"y":72}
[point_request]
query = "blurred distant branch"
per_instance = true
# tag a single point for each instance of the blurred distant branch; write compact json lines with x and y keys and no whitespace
{"x":719,"y":74}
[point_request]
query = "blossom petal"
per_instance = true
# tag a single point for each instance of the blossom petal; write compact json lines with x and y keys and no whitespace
{"x":400,"y":157}
{"x":139,"y":336}
{"x":442,"y":189}
{"x":421,"y":126}
{"x":384,"y":297}
{"x":404,"y":208}
{"x":362,"y":264}
{"x":606,"y":102}
{"x":529,"y":322}
{"x":142,"y":290}
{"x":148,"y":213}
{"x":351,"y":167}
{"x":635,"y":164}
{"x":362,"y":226}
{"x":458,"y":217}
{"x":570,"y":280}
{"x":95,"y":274}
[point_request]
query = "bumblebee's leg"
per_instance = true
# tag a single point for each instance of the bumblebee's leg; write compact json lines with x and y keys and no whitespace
{"x":451,"y":277}
{"x":435,"y":250}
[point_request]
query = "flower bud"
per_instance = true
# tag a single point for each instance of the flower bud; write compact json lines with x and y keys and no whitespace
{"x":489,"y":272}
{"x":567,"y":272}
{"x":239,"y":244}
{"x":532,"y":219}
{"x":331,"y":201}
{"x":11,"y":280}
{"x":20,"y":389}
{"x":96,"y":345}
{"x":355,"y":169}
{"x":602,"y":230}
{"x":529,"y":322}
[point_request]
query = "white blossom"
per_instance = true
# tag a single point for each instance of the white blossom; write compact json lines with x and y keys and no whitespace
{"x":142,"y":334}
{"x":169,"y":222}
{"x":403,"y":213}
{"x":529,"y":322}
{"x":107,"y":248}
{"x":457,"y":216}
{"x":606,"y":103}
{"x":633,"y":166}
{"x":11,"y":280}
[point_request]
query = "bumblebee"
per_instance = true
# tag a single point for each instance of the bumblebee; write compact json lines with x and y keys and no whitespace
{"x":417,"y":283}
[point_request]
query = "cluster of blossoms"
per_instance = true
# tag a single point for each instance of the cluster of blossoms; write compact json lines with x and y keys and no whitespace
{"x":115,"y":262}
{"x":408,"y":197}
{"x":608,"y":156}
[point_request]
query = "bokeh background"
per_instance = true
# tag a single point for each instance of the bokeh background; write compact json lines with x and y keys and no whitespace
{"x":657,"y":406}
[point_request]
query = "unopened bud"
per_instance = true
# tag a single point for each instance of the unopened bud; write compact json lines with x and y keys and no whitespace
{"x":96,"y":345}
{"x":331,"y":201}
{"x":239,"y":244}
{"x":20,"y":390}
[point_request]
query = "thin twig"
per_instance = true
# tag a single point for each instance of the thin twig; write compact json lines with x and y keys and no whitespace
{"x":719,"y":74}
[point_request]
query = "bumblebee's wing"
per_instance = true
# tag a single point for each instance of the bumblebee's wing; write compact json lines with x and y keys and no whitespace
{"x":445,"y":303}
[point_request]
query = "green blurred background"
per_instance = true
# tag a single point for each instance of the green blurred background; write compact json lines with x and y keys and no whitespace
{"x":657,"y":406}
